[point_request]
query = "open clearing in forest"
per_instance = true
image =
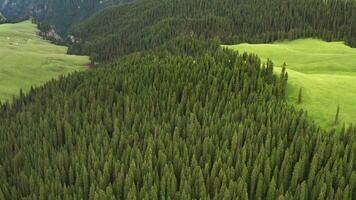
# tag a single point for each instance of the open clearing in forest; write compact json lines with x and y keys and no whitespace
{"x":326,"y":72}
{"x":27,"y":60}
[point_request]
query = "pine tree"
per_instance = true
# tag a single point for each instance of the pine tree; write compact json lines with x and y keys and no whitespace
{"x":259,"y":188}
{"x":336,"y":121}
{"x":2,"y":196}
{"x":322,"y":193}
{"x":300,"y":95}
{"x":303,"y":195}
{"x":271,"y":194}
{"x":92,"y":192}
{"x":132,"y":193}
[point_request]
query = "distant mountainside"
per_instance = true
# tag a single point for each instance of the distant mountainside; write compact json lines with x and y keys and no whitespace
{"x":2,"y":18}
{"x":15,"y":10}
{"x":57,"y":13}
{"x":147,"y":24}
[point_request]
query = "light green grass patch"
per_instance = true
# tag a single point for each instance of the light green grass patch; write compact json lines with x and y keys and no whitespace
{"x":27,"y":60}
{"x":326,"y":72}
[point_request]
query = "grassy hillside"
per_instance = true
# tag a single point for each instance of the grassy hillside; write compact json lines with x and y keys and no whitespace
{"x":326,"y":72}
{"x":26,"y":59}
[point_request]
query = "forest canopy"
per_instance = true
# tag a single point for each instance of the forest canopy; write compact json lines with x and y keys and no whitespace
{"x":169,"y":114}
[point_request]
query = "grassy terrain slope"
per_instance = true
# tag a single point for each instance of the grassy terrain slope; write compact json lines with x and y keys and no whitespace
{"x":26,"y":59}
{"x":326,"y":72}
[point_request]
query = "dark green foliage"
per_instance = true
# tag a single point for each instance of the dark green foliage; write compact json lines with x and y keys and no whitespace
{"x":15,"y":10}
{"x":184,"y":120}
{"x":336,"y":121}
{"x":146,"y":24}
{"x":300,"y":96}
{"x":64,"y":14}
{"x":170,"y":127}
{"x":60,"y":14}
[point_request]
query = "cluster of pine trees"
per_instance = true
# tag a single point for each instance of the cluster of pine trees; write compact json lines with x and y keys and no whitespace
{"x":171,"y":126}
{"x":146,"y":24}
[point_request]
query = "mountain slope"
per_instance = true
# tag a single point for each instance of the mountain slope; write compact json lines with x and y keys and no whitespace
{"x":181,"y":118}
{"x":57,"y":13}
{"x":2,"y":18}
{"x":146,"y":24}
{"x":178,"y":127}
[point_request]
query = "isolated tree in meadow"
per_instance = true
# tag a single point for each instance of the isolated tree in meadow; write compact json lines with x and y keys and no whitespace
{"x":300,"y":96}
{"x":283,"y":81}
{"x":337,"y":115}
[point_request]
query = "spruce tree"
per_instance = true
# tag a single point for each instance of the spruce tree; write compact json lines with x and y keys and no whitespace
{"x":300,"y":96}
{"x":336,"y":121}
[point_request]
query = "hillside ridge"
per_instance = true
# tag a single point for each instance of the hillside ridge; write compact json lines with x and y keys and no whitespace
{"x":166,"y":113}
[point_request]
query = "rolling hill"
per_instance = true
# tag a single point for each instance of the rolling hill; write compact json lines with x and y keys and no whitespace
{"x":170,"y":127}
{"x":27,"y":60}
{"x":168,"y":114}
{"x":326,"y":72}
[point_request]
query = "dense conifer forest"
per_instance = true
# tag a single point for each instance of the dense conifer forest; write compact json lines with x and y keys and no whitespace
{"x":146,"y":24}
{"x":210,"y":126}
{"x":172,"y":115}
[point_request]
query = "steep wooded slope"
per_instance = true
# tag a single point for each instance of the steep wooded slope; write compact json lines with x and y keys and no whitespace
{"x":172,"y":127}
{"x":186,"y":120}
{"x":61,"y":14}
{"x":149,"y":23}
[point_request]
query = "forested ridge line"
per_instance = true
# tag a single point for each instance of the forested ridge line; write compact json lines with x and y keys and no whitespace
{"x":171,"y":126}
{"x":146,"y":24}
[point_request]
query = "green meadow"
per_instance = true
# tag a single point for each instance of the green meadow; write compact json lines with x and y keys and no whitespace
{"x":326,"y":72}
{"x":27,"y":60}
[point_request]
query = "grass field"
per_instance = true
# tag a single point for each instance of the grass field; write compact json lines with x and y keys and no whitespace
{"x":326,"y":72}
{"x":26,"y":60}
